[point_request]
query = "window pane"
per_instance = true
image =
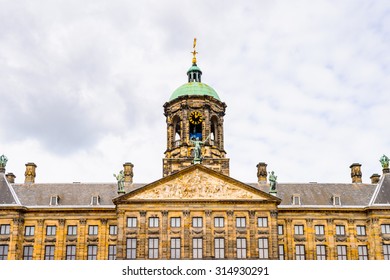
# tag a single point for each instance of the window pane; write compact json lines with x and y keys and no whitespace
{"x":219,"y":248}
{"x":341,"y":252}
{"x":112,"y":252}
{"x":71,"y":252}
{"x":281,"y":252}
{"x":321,"y":252}
{"x":197,"y":222}
{"x":197,"y":248}
{"x":262,"y":222}
{"x":131,"y":248}
{"x":280,"y":230}
{"x":175,"y":248}
{"x":363,"y":252}
{"x":219,"y":222}
{"x":92,"y":252}
{"x":3,"y":252}
{"x":113,"y":230}
{"x":263,"y":248}
{"x":153,"y":248}
{"x":132,"y":222}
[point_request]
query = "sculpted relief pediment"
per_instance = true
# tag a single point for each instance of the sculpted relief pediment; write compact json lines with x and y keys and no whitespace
{"x":197,"y":185}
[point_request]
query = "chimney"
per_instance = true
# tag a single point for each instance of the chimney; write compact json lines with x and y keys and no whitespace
{"x":356,"y":172}
{"x":128,"y":170}
{"x":10,"y":178}
{"x":262,"y":173}
{"x":375,"y":178}
{"x":30,"y":173}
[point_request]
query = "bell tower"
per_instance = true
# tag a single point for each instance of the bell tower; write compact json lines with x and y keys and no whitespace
{"x":194,"y":116}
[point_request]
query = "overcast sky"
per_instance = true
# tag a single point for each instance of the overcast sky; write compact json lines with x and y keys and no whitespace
{"x":306,"y":83}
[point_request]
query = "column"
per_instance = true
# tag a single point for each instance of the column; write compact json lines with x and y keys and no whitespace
{"x":273,"y":242}
{"x":310,"y":248}
{"x":186,"y":234}
{"x":252,"y":242}
{"x":230,"y":236}
{"x":59,"y":253}
{"x":81,"y":249}
{"x":208,"y":242}
{"x":142,"y":248}
{"x":164,"y":236}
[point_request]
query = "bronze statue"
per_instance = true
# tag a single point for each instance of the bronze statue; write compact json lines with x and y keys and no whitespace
{"x":3,"y":161}
{"x":384,"y":160}
{"x":121,"y":179}
{"x":198,"y":149}
{"x":272,"y":181}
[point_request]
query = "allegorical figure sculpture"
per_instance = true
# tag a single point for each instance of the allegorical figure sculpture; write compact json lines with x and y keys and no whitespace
{"x":384,"y":160}
{"x":198,"y":148}
{"x":121,"y":180}
{"x":3,"y":163}
{"x":272,"y":181}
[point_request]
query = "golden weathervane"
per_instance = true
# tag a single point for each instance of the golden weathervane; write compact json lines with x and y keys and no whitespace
{"x":194,"y":52}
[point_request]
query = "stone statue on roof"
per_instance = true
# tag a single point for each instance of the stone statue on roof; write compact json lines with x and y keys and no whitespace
{"x":384,"y":160}
{"x":272,"y":181}
{"x":3,"y":161}
{"x":121,"y":181}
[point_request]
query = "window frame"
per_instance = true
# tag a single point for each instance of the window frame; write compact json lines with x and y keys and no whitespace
{"x":240,"y":222}
{"x":342,"y":252}
{"x":92,"y":252}
{"x":175,"y":248}
{"x":300,"y":252}
{"x":4,"y":249}
{"x":154,"y":222}
{"x":195,"y":222}
{"x":340,"y":230}
{"x":70,"y":252}
{"x":132,"y":222}
{"x":219,"y":222}
{"x":5,"y":229}
{"x":29,"y":230}
{"x":153,"y":247}
{"x":262,"y":222}
{"x":219,"y":251}
{"x":299,"y":229}
{"x":28,"y":252}
{"x":363,"y":252}
{"x":51,"y":230}
{"x":113,"y":230}
{"x":131,"y":248}
{"x":112,"y":252}
{"x":196,"y":250}
{"x":175,"y":222}
{"x":319,"y":229}
{"x":241,"y":248}
{"x":93,"y":230}
{"x":361,"y":230}
{"x":263,"y":246}
{"x":71,"y":230}
{"x":49,"y":252}
{"x":321,"y":252}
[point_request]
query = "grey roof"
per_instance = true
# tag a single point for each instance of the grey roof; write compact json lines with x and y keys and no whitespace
{"x":318,"y":194}
{"x":7,"y":194}
{"x":311,"y":194}
{"x":70,"y":194}
{"x":382,"y":192}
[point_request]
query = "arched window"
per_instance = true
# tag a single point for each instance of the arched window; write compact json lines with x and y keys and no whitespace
{"x":176,"y":131}
{"x":214,"y":131}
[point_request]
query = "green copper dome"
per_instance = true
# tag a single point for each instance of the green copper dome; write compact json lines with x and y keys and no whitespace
{"x":194,"y":88}
{"x":194,"y":85}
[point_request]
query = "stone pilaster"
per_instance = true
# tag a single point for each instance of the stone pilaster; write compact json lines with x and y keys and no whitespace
{"x":230,"y":238}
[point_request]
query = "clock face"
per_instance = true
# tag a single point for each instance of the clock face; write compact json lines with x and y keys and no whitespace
{"x":195,"y":117}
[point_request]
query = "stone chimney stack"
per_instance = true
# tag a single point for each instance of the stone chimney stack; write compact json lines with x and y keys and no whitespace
{"x":30,"y":173}
{"x":262,"y":173}
{"x":128,"y":171}
{"x":375,"y":178}
{"x":10,"y":178}
{"x":356,"y":172}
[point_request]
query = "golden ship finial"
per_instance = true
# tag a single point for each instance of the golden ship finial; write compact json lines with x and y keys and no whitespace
{"x":194,"y":52}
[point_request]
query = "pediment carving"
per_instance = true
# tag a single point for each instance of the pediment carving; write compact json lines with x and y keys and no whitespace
{"x":197,"y":185}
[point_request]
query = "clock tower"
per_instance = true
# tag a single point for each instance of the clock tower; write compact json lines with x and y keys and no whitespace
{"x":194,"y":116}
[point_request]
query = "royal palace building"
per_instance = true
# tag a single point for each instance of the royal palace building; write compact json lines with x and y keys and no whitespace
{"x":196,"y":210}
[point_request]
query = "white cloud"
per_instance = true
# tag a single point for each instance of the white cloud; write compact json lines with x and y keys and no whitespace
{"x":82,"y":85}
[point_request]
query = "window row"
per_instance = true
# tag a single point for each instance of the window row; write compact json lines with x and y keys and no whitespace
{"x":197,"y":222}
{"x":197,"y":248}
{"x":71,"y":230}
{"x":320,"y":230}
{"x":341,"y":250}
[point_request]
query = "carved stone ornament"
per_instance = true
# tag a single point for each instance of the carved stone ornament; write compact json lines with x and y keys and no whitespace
{"x":320,"y":237}
{"x":386,"y":237}
{"x":199,"y":231}
{"x":341,"y":238}
{"x":299,"y":237}
{"x":92,"y":239}
{"x":197,"y":185}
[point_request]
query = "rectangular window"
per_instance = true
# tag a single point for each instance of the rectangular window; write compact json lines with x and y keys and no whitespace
{"x":112,"y":252}
{"x":240,"y":222}
{"x":72,"y":230}
{"x":197,"y":222}
{"x":29,"y":231}
{"x":241,"y":248}
{"x":361,"y":230}
{"x":262,"y":222}
{"x":3,"y":252}
{"x":385,"y":229}
{"x":299,"y":252}
{"x":296,"y":200}
{"x":95,"y":200}
{"x":219,"y":248}
{"x":51,"y":230}
{"x":113,"y":230}
{"x":132,"y":222}
{"x":386,"y":251}
{"x":93,"y":230}
{"x":340,"y":230}
{"x":363,"y":252}
{"x":298,"y":229}
{"x":336,"y":200}
{"x":280,"y":229}
{"x":197,"y":248}
{"x":263,"y":248}
{"x":49,"y":252}
{"x":341,"y":252}
{"x":131,"y":248}
{"x":28,"y":252}
{"x":219,"y":222}
{"x":92,"y":252}
{"x":175,"y":222}
{"x":71,"y":252}
{"x":281,"y":252}
{"x":153,"y":248}
{"x":153,"y":222}
{"x":5,"y":229}
{"x":319,"y":229}
{"x":321,"y":252}
{"x":54,"y":200}
{"x":175,"y":248}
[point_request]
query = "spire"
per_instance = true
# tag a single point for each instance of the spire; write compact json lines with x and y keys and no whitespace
{"x":194,"y":73}
{"x":194,"y":52}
